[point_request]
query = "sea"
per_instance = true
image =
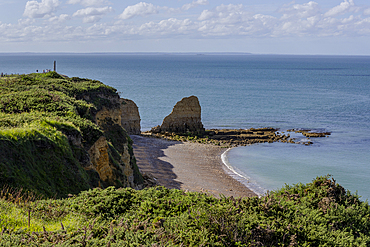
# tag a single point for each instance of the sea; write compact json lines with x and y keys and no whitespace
{"x":241,"y":91}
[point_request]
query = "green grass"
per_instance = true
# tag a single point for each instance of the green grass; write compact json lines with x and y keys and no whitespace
{"x":40,"y":116}
{"x":41,"y":159}
{"x":320,"y":213}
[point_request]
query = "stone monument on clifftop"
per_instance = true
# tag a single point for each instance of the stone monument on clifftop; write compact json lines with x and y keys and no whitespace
{"x":185,"y":117}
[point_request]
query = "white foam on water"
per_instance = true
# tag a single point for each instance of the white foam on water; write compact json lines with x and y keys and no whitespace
{"x":247,"y":181}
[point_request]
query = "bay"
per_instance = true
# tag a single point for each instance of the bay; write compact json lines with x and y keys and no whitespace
{"x":329,"y":93}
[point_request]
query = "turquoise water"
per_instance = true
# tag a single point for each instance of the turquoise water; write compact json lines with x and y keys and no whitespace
{"x":330,"y":93}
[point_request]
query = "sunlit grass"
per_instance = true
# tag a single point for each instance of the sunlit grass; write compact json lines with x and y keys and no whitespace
{"x":321,"y":213}
{"x":16,"y":217}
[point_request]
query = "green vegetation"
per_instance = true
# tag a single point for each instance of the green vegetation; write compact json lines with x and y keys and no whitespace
{"x":46,"y":127}
{"x":320,"y":213}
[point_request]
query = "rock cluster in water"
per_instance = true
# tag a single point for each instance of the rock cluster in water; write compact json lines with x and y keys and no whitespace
{"x":310,"y":133}
{"x":184,"y":118}
{"x":239,"y":137}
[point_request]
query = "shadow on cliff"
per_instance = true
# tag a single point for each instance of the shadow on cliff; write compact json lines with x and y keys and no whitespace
{"x":147,"y":152}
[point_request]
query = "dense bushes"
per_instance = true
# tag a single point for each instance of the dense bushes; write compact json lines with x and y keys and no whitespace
{"x":320,"y":213}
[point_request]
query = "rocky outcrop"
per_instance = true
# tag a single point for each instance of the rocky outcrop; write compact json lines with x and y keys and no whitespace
{"x":112,"y":155}
{"x":238,"y":137}
{"x":113,"y":111}
{"x":99,"y":158}
{"x":185,"y":117}
{"x":130,"y":117}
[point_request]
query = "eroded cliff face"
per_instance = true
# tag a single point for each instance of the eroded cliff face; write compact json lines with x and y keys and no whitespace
{"x":112,"y":155}
{"x":185,"y":117}
{"x":99,"y":159}
{"x":130,"y":118}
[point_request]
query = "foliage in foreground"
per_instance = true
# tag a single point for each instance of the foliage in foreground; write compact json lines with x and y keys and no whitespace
{"x":320,"y":213}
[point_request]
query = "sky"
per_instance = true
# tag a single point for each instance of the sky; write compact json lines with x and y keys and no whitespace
{"x":323,"y":27}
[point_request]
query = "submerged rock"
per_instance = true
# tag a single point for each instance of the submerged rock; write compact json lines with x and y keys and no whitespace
{"x":310,"y":133}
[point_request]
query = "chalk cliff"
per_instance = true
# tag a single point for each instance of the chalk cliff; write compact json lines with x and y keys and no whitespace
{"x":185,"y":117}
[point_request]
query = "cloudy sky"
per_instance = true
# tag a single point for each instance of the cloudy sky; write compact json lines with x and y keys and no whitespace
{"x":256,"y":26}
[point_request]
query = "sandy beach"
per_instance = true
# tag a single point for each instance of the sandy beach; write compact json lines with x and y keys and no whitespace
{"x":187,"y":166}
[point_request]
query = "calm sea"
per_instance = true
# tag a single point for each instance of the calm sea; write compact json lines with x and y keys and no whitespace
{"x":330,"y":93}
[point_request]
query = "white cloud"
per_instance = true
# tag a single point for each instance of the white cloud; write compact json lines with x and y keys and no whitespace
{"x":342,"y":8}
{"x":92,"y":14}
{"x":223,"y":21}
{"x":194,"y":4}
{"x":305,"y":10}
{"x":88,"y":2}
{"x":41,"y":9}
{"x":367,"y":11}
{"x":263,"y":25}
{"x":297,"y":19}
{"x":232,"y":20}
{"x":205,"y":15}
{"x":166,"y":27}
{"x":223,"y":11}
{"x":61,"y":18}
{"x":141,"y":9}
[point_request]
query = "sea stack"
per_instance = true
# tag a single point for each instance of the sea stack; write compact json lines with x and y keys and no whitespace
{"x":184,"y":118}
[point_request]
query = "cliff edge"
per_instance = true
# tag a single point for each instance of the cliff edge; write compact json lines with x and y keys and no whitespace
{"x":130,"y":118}
{"x":61,"y":135}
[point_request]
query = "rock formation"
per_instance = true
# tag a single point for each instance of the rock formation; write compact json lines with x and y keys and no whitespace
{"x":99,"y":158}
{"x":130,"y":118}
{"x":115,"y":163}
{"x":185,"y":117}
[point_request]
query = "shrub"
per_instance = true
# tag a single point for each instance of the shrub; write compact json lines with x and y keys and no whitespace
{"x":298,"y":215}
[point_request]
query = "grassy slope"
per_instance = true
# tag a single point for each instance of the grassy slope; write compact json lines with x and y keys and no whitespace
{"x":320,"y":213}
{"x":37,"y":113}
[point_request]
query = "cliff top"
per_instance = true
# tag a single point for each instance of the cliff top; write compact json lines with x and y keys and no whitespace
{"x":48,"y":123}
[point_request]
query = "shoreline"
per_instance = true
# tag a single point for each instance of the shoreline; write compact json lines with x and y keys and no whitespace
{"x":188,"y":166}
{"x":246,"y":181}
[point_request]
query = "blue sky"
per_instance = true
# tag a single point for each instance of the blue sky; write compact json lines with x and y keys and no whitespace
{"x":333,"y":27}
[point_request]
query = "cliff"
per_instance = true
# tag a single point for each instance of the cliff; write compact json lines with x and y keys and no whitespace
{"x":185,"y":117}
{"x":59,"y":136}
{"x":130,"y":118}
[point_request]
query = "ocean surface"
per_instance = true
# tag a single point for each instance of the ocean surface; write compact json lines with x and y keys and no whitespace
{"x":324,"y":93}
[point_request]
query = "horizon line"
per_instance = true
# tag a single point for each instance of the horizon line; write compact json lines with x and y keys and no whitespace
{"x":170,"y":53}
